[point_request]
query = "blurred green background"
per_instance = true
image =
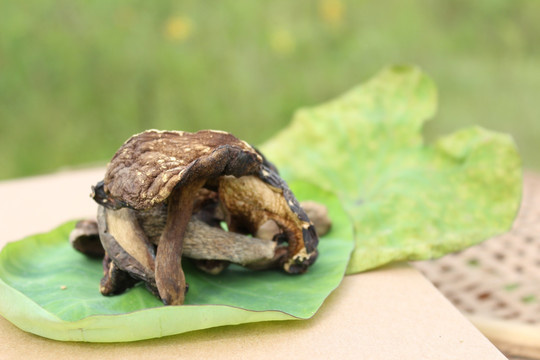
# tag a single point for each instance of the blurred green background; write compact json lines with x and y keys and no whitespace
{"x":78,"y":78}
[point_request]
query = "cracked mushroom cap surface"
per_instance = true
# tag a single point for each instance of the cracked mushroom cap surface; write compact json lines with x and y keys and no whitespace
{"x":149,"y":165}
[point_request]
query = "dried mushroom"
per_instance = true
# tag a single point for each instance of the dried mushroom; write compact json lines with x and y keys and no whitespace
{"x":128,"y":252}
{"x":210,"y":244}
{"x":85,"y":238}
{"x":193,"y":178}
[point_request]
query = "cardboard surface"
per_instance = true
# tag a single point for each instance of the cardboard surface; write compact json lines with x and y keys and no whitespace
{"x":390,"y":313}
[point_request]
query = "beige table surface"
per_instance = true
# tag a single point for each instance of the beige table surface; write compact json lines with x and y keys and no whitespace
{"x":392,"y":313}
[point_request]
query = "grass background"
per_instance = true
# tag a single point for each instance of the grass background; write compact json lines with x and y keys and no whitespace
{"x":78,"y":78}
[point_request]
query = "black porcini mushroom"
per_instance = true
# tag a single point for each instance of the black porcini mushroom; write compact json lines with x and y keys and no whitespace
{"x":170,"y":167}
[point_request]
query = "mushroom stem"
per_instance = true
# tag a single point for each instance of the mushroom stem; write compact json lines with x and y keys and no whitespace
{"x":204,"y":242}
{"x":170,"y":279}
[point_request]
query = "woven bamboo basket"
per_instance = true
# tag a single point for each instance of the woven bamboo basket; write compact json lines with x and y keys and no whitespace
{"x":497,"y":284}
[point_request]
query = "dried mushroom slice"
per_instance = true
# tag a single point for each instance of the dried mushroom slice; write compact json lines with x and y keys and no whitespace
{"x":171,"y":167}
{"x":128,"y":248}
{"x":251,"y":202}
{"x":115,"y":281}
{"x":85,"y":239}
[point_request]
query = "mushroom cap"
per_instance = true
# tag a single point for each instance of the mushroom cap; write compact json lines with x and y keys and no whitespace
{"x":148,"y":166}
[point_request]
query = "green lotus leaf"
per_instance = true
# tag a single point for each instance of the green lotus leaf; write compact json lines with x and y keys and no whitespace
{"x":408,"y":200}
{"x":51,"y":290}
